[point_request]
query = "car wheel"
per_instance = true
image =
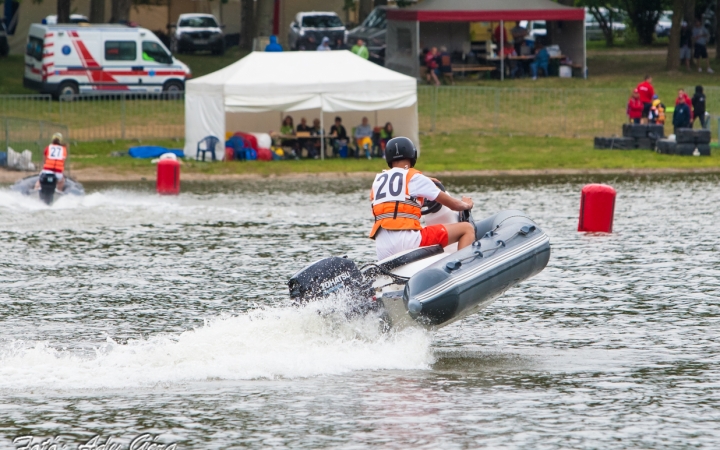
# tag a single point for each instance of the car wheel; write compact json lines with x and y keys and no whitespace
{"x":68,"y":90}
{"x":220,"y":49}
{"x":173,"y":87}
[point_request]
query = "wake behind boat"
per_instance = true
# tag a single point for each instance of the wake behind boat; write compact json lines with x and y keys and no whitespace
{"x":434,"y":286}
{"x":48,"y":184}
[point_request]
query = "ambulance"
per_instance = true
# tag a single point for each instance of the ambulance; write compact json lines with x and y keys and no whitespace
{"x":69,"y":59}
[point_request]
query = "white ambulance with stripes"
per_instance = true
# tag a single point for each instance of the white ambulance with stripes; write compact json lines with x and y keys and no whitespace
{"x":73,"y":59}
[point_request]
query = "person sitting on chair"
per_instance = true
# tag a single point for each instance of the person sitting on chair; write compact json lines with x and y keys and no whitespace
{"x":363,"y":138}
{"x":54,"y":161}
{"x":542,"y":60}
{"x":339,"y":135}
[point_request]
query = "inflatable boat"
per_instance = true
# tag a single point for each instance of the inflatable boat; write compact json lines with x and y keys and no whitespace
{"x":434,"y":286}
{"x":48,"y":183}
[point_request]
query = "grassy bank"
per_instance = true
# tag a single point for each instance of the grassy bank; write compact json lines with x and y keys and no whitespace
{"x":440,"y":153}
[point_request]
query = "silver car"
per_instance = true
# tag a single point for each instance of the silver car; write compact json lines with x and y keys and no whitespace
{"x":309,"y":28}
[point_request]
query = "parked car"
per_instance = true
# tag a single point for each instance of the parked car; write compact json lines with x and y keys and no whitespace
{"x":74,"y":18}
{"x":65,"y":60}
{"x":309,"y":28}
{"x":373,"y":31}
{"x":535,"y":28}
{"x":197,"y":32}
{"x":4,"y":47}
{"x":662,"y":28}
{"x":593,"y":32}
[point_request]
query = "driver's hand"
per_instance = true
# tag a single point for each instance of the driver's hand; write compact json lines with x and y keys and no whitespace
{"x":468,"y":201}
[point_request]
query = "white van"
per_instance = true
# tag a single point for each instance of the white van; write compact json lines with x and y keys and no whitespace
{"x":71,"y":59}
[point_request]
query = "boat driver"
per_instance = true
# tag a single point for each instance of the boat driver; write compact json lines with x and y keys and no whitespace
{"x":55,"y":156}
{"x":397,"y":196}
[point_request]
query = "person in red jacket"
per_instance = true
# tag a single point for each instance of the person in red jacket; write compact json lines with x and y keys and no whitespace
{"x":646,"y":91}
{"x":635,"y":107}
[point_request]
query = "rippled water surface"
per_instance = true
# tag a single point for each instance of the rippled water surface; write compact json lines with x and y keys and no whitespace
{"x":125,"y":313}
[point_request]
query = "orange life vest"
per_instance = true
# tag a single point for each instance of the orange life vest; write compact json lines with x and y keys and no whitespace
{"x":393,"y":207}
{"x":55,"y":156}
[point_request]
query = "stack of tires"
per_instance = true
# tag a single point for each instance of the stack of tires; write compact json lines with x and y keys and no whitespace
{"x":687,"y":142}
{"x":634,"y":136}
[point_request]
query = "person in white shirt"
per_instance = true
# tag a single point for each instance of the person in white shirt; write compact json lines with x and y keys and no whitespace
{"x":397,"y":196}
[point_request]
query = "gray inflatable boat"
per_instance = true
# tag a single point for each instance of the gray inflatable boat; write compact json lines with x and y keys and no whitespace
{"x":48,"y":183}
{"x":435,"y":286}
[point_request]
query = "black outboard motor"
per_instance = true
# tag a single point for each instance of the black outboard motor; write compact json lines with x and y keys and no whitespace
{"x":48,"y":182}
{"x":328,"y":276}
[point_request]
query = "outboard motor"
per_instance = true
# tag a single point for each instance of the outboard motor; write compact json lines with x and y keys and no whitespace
{"x":48,"y":182}
{"x":328,"y":276}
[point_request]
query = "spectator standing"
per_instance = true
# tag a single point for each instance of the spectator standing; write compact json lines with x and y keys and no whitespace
{"x":432,"y":66}
{"x":273,"y":46}
{"x":700,"y":37}
{"x":499,"y":35}
{"x":518,"y":33}
{"x":324,"y":45}
{"x":360,"y":49}
{"x":685,"y":97}
{"x":681,"y":116}
{"x":635,"y":107}
{"x":340,"y":45}
{"x":698,"y":104}
{"x":646,"y":92}
{"x":363,"y":138}
{"x":685,"y":44}
{"x":658,"y":111}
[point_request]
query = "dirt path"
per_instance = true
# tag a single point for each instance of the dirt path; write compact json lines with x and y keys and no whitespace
{"x":102,"y":174}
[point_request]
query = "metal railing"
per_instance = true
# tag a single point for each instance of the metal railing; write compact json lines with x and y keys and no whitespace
{"x":517,"y":111}
{"x":26,"y":134}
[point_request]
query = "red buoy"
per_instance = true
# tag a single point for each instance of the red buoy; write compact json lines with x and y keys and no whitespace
{"x":168,"y":177}
{"x":597,"y":208}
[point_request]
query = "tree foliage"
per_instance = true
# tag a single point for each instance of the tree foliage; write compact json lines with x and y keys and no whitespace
{"x":643,"y":16}
{"x":605,"y":13}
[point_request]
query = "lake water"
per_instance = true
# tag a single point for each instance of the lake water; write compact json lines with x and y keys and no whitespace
{"x":125,"y":313}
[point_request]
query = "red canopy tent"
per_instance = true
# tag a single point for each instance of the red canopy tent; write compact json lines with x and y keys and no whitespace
{"x":435,"y":23}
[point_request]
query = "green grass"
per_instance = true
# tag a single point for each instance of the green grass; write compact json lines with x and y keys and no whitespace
{"x":440,"y":152}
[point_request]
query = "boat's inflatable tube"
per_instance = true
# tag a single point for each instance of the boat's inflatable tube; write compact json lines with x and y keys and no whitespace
{"x":26,"y":186}
{"x":509,"y":249}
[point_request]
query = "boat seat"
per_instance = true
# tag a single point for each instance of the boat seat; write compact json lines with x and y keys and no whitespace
{"x":411,"y":257}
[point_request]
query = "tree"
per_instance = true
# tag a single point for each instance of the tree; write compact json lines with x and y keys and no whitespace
{"x":264,"y":19}
{"x":120,"y":11}
{"x":247,"y":24}
{"x":366,"y":7}
{"x":673,"y":53}
{"x":380,"y":3}
{"x":605,"y":13}
{"x":63,"y":11}
{"x":717,"y":31}
{"x":643,"y":15}
{"x":97,"y":11}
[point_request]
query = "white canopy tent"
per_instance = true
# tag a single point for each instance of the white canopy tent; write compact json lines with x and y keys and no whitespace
{"x":253,"y":94}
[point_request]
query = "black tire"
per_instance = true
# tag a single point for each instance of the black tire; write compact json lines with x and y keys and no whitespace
{"x":67,"y":90}
{"x":685,"y":136}
{"x":656,"y":131}
{"x":622,"y":143}
{"x":173,"y":86}
{"x":644,"y":144}
{"x":704,"y":149}
{"x":639,"y":130}
{"x":601,"y":143}
{"x":666,"y":146}
{"x":626,"y":129}
{"x":685,"y":149}
{"x":702,"y":136}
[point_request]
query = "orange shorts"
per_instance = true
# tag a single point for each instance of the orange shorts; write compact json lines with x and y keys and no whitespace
{"x":434,"y":234}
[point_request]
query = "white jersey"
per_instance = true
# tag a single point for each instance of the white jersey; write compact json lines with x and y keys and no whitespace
{"x":388,"y":243}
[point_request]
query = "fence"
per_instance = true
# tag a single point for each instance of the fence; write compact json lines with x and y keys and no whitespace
{"x":521,"y":111}
{"x":25,"y":134}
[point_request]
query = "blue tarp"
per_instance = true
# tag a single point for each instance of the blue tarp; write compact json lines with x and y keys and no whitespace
{"x":152,"y":151}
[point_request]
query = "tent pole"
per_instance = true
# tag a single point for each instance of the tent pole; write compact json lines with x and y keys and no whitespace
{"x":322,"y":134}
{"x":502,"y":50}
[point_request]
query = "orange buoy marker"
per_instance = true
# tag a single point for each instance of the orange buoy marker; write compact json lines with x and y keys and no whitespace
{"x":597,"y":208}
{"x":168,"y":177}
